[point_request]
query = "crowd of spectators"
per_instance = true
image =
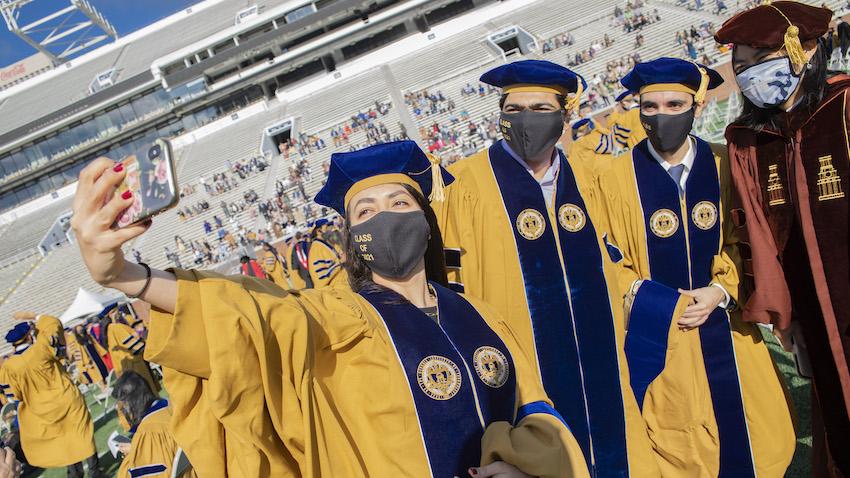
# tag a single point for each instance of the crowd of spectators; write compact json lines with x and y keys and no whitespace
{"x":634,"y":16}
{"x":690,"y":39}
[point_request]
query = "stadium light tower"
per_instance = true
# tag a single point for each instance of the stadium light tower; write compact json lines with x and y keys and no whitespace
{"x":63,"y":33}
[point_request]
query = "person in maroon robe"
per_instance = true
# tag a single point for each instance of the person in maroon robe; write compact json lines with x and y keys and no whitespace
{"x":790,"y":159}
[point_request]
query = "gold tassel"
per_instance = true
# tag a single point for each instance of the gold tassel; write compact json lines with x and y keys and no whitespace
{"x":699,"y":96}
{"x":792,"y":42}
{"x":793,"y":46}
{"x":574,"y":104}
{"x":437,"y":185}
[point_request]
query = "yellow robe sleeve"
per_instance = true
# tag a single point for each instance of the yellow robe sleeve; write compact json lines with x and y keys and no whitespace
{"x":126,"y":349}
{"x":626,"y":128}
{"x":233,"y":392}
{"x":325,"y":266}
{"x":725,"y":267}
{"x":10,"y":391}
{"x":540,"y":444}
{"x":593,"y":151}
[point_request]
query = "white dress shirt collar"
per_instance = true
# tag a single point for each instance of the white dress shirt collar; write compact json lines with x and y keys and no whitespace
{"x":687,"y":161}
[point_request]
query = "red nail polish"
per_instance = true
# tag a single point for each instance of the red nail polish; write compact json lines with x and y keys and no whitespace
{"x":118,"y":168}
{"x":126,"y":195}
{"x":473,"y":471}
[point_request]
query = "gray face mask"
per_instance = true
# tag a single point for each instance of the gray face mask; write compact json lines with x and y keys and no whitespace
{"x":392,"y":243}
{"x":529,"y":133}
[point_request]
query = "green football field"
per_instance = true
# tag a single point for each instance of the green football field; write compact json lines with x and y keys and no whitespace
{"x":798,"y":387}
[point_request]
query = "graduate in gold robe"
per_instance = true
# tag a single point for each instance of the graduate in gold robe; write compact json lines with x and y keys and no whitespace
{"x":299,"y":262}
{"x":275,"y":266}
{"x":325,"y":260}
{"x":520,"y":233}
{"x":152,"y":449}
{"x":713,"y":401}
{"x":55,"y":425}
{"x":592,"y":146}
{"x":126,"y":348}
{"x":624,"y":121}
{"x":87,"y":354}
{"x":402,"y":378}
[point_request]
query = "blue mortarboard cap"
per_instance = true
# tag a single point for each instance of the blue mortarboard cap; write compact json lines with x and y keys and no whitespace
{"x":537,"y":76}
{"x":624,"y":94}
{"x":395,"y":162}
{"x":672,"y":74}
{"x":18,"y":332}
{"x":579,"y":124}
{"x":321,"y":222}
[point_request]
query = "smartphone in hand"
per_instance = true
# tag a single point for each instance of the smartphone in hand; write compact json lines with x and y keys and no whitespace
{"x":151,"y":178}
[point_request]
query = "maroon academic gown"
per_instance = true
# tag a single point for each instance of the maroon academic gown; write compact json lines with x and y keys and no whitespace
{"x":794,"y":192}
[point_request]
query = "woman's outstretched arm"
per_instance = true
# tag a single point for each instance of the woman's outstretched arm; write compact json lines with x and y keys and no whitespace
{"x":94,"y":211}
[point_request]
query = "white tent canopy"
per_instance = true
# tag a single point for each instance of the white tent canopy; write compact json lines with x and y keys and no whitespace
{"x":87,"y":303}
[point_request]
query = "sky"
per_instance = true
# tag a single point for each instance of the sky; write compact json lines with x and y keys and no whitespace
{"x":126,"y":16}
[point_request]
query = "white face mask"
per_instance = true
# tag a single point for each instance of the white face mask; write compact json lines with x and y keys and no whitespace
{"x":770,"y":83}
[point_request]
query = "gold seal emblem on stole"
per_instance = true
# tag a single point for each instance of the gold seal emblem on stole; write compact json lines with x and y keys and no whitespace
{"x":438,"y":377}
{"x":530,"y":224}
{"x":664,"y":223}
{"x":491,"y":365}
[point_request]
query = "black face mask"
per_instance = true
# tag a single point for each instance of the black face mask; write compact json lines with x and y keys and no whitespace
{"x":668,"y":132}
{"x":529,"y":133}
{"x":392,"y":243}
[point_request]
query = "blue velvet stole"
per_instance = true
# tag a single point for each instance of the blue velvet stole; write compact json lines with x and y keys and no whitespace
{"x":681,"y":261}
{"x":97,"y":359}
{"x":646,"y":341}
{"x":451,"y":427}
{"x":570,"y":311}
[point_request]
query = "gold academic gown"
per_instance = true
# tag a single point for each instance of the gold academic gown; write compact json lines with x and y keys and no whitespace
{"x":483,"y":261}
{"x":90,"y":370}
{"x":56,"y":428}
{"x":326,"y":266}
{"x":152,"y":448}
{"x":126,"y":349}
{"x":265,"y":382}
{"x":275,"y":271}
{"x":594,"y":151}
{"x":678,"y":406}
{"x":626,"y":128}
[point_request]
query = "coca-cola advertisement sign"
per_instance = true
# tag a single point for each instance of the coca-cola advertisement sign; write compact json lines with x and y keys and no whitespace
{"x":13,"y":72}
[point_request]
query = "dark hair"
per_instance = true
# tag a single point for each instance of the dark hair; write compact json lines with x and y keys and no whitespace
{"x":814,"y":88}
{"x":359,"y":274}
{"x":82,"y":337}
{"x":244,"y":260}
{"x":136,"y":395}
{"x":562,"y":100}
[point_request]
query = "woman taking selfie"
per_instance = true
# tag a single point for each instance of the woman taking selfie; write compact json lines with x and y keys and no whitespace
{"x":402,"y":378}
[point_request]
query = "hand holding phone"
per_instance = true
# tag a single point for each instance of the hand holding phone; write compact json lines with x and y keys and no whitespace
{"x":151,"y":180}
